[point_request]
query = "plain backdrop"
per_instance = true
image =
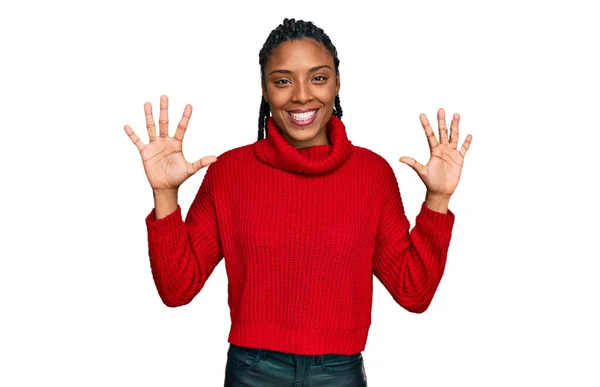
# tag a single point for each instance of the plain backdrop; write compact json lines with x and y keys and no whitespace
{"x":518,"y":304}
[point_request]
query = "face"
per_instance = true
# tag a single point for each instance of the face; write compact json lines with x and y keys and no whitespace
{"x":300,"y":87}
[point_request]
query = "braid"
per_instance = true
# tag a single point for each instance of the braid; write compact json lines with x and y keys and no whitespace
{"x":288,"y":30}
{"x":337,"y":108}
{"x":263,"y":116}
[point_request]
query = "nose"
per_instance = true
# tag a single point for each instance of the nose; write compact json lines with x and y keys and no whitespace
{"x":301,"y":93}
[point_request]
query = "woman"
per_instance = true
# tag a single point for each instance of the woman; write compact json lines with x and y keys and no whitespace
{"x":304,"y":218}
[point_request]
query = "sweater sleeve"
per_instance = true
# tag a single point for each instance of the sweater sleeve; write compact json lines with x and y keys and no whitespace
{"x":410,"y":265}
{"x":184,"y":254}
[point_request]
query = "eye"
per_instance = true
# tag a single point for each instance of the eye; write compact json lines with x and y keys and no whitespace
{"x":320,"y":78}
{"x":282,"y":82}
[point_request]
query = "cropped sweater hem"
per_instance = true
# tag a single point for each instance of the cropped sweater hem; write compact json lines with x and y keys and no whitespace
{"x":298,"y":340}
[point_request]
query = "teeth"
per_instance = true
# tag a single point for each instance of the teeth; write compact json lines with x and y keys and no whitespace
{"x":303,"y":116}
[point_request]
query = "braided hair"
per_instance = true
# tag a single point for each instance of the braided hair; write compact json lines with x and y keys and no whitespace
{"x":288,"y":30}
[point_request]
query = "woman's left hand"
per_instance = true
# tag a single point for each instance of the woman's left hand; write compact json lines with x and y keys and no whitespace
{"x":442,"y":173}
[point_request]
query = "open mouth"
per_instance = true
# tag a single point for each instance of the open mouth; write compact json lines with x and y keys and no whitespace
{"x":304,"y":118}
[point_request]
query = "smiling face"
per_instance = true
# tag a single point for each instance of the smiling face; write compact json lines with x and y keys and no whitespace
{"x":300,"y":85}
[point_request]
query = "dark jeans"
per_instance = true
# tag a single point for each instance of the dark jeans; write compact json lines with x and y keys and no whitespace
{"x":252,"y":367}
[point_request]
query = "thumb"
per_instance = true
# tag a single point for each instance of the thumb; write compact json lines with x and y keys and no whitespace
{"x":414,"y":164}
{"x":203,"y":162}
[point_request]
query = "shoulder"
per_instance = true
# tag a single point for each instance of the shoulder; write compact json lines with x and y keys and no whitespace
{"x":232,"y":157}
{"x":368,"y":154}
{"x":375,"y":163}
{"x":375,"y":170}
{"x":237,"y":153}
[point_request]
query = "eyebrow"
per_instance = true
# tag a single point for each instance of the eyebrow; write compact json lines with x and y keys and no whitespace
{"x":310,"y":70}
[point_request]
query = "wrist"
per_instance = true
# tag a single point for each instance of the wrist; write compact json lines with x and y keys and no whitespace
{"x":165,"y":192}
{"x":437,"y":196}
{"x":437,"y":202}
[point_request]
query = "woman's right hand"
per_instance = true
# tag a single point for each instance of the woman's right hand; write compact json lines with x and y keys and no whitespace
{"x":164,"y":164}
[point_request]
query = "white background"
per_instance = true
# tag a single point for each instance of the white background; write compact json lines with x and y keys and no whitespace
{"x":518,"y":305}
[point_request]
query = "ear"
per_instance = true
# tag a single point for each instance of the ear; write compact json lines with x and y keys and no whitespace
{"x":337,"y":83}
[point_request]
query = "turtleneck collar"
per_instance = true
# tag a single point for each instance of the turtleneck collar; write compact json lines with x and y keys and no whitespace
{"x":277,"y":151}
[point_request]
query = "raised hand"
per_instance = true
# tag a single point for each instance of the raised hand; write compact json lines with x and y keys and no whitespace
{"x":164,"y":164}
{"x":442,"y":173}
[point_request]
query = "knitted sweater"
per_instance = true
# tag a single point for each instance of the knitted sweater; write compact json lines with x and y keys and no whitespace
{"x":302,"y":232}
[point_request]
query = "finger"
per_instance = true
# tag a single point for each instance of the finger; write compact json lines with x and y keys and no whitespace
{"x":203,"y":162}
{"x":183,"y":123}
{"x":466,"y":145}
{"x":149,"y":121}
{"x":441,"y":116}
{"x":163,"y":118}
{"x":433,"y":142}
{"x":134,"y":138}
{"x":414,"y":164}
{"x":454,"y":130}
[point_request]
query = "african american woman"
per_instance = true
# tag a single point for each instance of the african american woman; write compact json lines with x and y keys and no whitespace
{"x":304,"y":219}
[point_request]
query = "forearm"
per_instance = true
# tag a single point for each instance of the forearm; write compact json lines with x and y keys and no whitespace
{"x":411,"y":277}
{"x":411,"y":264}
{"x":183,"y":254}
{"x":174,"y":270}
{"x":165,"y":202}
{"x":181,"y":257}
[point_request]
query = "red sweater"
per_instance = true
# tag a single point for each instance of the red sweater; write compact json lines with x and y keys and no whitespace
{"x":302,"y":231}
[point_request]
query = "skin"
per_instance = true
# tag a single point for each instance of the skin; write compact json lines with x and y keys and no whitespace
{"x":300,"y":74}
{"x":442,"y":172}
{"x":164,"y":163}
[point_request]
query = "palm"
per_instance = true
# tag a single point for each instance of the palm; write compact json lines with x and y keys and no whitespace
{"x":164,"y":164}
{"x":442,"y":173}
